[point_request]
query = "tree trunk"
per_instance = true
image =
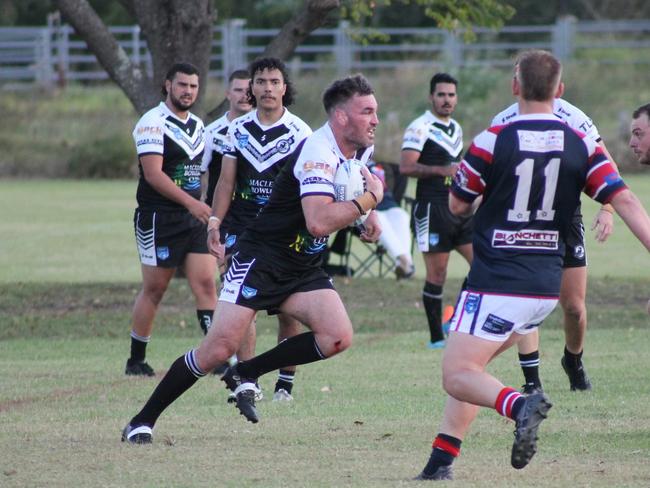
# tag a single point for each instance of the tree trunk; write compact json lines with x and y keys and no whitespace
{"x":130,"y":78}
{"x":177,"y":31}
{"x":310,"y":17}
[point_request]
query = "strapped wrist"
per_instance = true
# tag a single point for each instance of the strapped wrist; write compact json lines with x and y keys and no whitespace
{"x":366,"y":201}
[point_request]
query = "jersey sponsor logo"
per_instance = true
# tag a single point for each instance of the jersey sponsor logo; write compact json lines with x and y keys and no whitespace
{"x":162,"y":252}
{"x":497,"y":325}
{"x":308,"y":166}
{"x":316,"y":180}
{"x":472,"y":302}
{"x":145,"y":142}
{"x":153,"y":130}
{"x":248,"y":292}
{"x":541,"y":141}
{"x":307,"y":244}
{"x":543,"y":240}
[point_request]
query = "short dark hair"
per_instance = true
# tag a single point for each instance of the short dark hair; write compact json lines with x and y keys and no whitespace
{"x":340,"y":91}
{"x":643,"y":109}
{"x":260,"y":65}
{"x":185,"y":68}
{"x":239,"y":74}
{"x":441,"y":78}
{"x":538,"y":73}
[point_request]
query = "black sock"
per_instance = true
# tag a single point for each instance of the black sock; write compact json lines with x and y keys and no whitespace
{"x":138,"y":347}
{"x":299,"y":349}
{"x":285,"y":380}
{"x":205,"y":319}
{"x":432,"y":300}
{"x":573,"y":361}
{"x":530,"y":367}
{"x":181,"y":376}
{"x":445,"y":449}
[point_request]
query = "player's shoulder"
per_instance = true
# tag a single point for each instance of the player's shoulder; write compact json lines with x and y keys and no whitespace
{"x":154,"y":116}
{"x":243,"y":119}
{"x":421,"y":121}
{"x":506,"y":115}
{"x":218,"y":124}
{"x":294,"y":122}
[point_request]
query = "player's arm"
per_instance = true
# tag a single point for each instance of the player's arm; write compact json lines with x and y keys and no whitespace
{"x":221,"y":200}
{"x":409,"y":166}
{"x":603,"y":222}
{"x":206,"y":159}
{"x":323,"y":215}
{"x":628,"y":206}
{"x":159,"y":181}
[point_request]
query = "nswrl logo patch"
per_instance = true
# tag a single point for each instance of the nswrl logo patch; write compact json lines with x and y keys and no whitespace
{"x":248,"y":292}
{"x":162,"y":252}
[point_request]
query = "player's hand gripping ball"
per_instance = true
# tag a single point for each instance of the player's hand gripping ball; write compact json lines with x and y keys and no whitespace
{"x":349,"y":183}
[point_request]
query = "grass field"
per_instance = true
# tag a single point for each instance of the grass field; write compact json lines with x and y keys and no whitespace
{"x":68,"y":277}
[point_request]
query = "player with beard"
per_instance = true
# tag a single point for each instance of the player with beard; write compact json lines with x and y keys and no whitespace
{"x":257,"y":146}
{"x":430,"y":151}
{"x":170,"y":221}
{"x":278,"y":264}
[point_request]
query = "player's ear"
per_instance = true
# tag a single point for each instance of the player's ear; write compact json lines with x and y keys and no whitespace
{"x":515,"y":85}
{"x":341,"y":116}
{"x":560,"y":90}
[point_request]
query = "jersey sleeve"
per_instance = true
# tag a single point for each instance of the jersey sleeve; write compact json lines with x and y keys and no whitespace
{"x":148,"y":135}
{"x":315,"y":170}
{"x":603,"y":181}
{"x":414,"y":137}
{"x":469,"y":181}
{"x":230,"y":142}
{"x":580,"y":121}
{"x":207,"y":152}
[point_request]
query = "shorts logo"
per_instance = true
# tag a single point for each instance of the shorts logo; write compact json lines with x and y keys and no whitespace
{"x":230,"y":240}
{"x":472,"y":302}
{"x":162,"y":252}
{"x":242,"y":140}
{"x":579,"y":252}
{"x":497,"y":325}
{"x":248,"y":292}
{"x":434,"y":239}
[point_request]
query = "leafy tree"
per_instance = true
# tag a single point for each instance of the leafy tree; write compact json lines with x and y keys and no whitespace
{"x":180,"y":30}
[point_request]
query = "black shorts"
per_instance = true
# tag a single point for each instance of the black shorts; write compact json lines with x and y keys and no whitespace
{"x":436,"y":230}
{"x":254,"y":282}
{"x":165,"y":238}
{"x":575,"y":253}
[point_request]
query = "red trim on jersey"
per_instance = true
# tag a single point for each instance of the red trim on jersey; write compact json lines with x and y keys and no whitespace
{"x":474,"y":182}
{"x":598,"y":178}
{"x":495,"y":129}
{"x":446,"y":446}
{"x":480,"y":153}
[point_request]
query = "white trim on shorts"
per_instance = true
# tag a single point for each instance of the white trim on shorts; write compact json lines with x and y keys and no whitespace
{"x":422,"y":227}
{"x":146,"y":241}
{"x":496,"y":317}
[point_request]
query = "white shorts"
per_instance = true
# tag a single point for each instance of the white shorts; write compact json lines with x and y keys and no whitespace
{"x":496,"y":317}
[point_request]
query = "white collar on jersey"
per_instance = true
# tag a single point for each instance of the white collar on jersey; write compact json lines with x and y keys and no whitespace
{"x":163,"y":106}
{"x":545,"y":116}
{"x":280,"y":121}
{"x":431,"y":117}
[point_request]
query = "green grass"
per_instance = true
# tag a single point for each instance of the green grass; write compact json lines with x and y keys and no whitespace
{"x":82,"y":231}
{"x":365,"y":418}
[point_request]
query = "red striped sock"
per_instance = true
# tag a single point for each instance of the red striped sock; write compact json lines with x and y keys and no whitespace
{"x":448,"y":444}
{"x":506,"y":400}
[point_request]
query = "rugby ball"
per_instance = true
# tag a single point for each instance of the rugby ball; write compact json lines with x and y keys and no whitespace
{"x":349,"y":183}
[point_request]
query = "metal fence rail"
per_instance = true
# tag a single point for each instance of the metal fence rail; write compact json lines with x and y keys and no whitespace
{"x":54,"y":53}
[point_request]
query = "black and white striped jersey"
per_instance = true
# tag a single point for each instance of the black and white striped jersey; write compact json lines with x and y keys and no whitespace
{"x":181,"y":143}
{"x":261,"y":152}
{"x":439,"y":143}
{"x":215,"y":136}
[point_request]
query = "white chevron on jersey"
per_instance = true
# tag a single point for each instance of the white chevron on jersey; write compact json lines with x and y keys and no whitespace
{"x":423,"y":129}
{"x":266,"y":151}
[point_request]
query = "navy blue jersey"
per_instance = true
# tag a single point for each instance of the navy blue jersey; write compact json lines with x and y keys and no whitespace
{"x":531,"y":173}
